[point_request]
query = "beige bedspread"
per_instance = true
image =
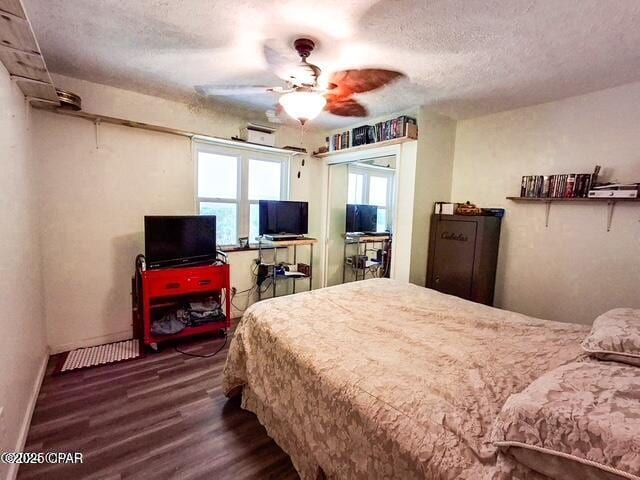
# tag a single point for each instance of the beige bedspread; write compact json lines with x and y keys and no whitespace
{"x":380,"y":379}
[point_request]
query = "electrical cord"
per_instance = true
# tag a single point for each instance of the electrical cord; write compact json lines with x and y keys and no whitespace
{"x":242,"y":291}
{"x":269,"y":282}
{"x":264,"y":288}
{"x":249,"y":292}
{"x":209,"y":355}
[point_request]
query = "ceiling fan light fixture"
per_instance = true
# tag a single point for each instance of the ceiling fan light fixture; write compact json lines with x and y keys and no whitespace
{"x":302,"y":104}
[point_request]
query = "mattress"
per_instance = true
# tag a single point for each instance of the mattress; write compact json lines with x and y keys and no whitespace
{"x":379,"y":379}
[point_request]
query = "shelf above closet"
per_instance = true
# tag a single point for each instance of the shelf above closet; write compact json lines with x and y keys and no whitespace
{"x":611,"y":202}
{"x":384,"y":143}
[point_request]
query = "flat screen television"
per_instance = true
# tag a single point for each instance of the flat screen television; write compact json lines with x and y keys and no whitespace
{"x":361,"y":218}
{"x":279,"y":217}
{"x":176,"y":240}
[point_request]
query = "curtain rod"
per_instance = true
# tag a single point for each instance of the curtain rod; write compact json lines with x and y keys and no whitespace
{"x":96,"y":118}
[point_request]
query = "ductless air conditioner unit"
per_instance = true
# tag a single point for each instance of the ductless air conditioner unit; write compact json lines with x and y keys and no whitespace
{"x":260,"y":134}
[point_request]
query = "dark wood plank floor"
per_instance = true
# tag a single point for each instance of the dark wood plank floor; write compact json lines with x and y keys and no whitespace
{"x":160,"y":417}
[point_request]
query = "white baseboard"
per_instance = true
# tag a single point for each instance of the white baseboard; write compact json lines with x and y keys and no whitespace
{"x":92,"y":341}
{"x":26,"y":422}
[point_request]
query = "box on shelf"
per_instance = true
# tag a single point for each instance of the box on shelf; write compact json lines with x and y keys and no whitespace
{"x":443,"y":208}
{"x":615,"y":191}
{"x":259,"y":134}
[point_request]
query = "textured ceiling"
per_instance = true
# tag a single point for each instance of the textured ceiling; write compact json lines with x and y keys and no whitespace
{"x":463,"y":57}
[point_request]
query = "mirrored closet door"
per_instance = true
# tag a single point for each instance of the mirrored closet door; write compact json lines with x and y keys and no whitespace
{"x":360,"y":223}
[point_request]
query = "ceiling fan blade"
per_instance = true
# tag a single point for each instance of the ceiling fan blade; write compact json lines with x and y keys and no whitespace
{"x":289,"y":68}
{"x":345,"y":107}
{"x":283,"y":66}
{"x":365,"y":80}
{"x":233,"y":90}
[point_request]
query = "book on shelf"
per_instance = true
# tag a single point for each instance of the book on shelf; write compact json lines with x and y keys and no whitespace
{"x":339,"y":141}
{"x":402,"y":126}
{"x":572,"y":185}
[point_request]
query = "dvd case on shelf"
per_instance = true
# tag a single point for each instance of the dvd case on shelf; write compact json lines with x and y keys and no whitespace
{"x":572,"y":185}
{"x":366,"y":134}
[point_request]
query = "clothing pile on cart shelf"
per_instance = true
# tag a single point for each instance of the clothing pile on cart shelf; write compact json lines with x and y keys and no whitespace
{"x":191,"y":314}
{"x":204,"y":312}
{"x":173,"y":321}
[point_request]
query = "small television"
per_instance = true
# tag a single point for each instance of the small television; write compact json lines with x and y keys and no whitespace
{"x":278,"y":217}
{"x":361,"y":218}
{"x":177,"y":240}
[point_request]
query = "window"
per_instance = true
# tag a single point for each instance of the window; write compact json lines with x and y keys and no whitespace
{"x":265,"y":183}
{"x":370,"y":185}
{"x":379,"y":195}
{"x":231,"y":181}
{"x":356,"y":183}
{"x":218,"y":193}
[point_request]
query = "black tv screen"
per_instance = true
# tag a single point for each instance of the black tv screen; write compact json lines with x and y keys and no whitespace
{"x":361,"y":218}
{"x":174,"y":240}
{"x":283,"y":217}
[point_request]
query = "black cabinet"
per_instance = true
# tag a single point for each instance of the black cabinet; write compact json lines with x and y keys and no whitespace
{"x":463,"y":254}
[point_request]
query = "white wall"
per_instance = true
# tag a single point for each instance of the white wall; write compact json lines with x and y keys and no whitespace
{"x":23,"y":350}
{"x":95,"y":200}
{"x":574,"y":269}
{"x":433,"y":176}
{"x":402,"y":248}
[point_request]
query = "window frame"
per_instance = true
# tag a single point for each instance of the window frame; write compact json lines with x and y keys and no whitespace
{"x":242,"y":202}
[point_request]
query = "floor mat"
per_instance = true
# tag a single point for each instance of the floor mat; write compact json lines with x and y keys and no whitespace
{"x":99,"y":355}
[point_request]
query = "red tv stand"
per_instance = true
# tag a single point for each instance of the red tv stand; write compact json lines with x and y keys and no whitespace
{"x":163,"y":289}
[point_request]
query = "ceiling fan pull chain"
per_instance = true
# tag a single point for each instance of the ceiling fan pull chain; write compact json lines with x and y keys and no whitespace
{"x":302,"y":146}
{"x":302,"y":143}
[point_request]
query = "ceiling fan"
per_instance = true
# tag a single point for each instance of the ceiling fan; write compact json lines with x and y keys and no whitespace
{"x":303,"y":98}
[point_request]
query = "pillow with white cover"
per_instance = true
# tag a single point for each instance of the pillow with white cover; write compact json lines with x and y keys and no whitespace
{"x":615,"y":336}
{"x":579,"y":421}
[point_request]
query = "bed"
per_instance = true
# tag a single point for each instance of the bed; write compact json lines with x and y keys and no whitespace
{"x":380,"y":379}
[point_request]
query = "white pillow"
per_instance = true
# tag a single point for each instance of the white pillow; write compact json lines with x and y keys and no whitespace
{"x":579,"y":421}
{"x":615,"y":336}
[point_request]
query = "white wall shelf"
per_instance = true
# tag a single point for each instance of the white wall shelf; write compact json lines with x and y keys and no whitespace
{"x":611,"y":203}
